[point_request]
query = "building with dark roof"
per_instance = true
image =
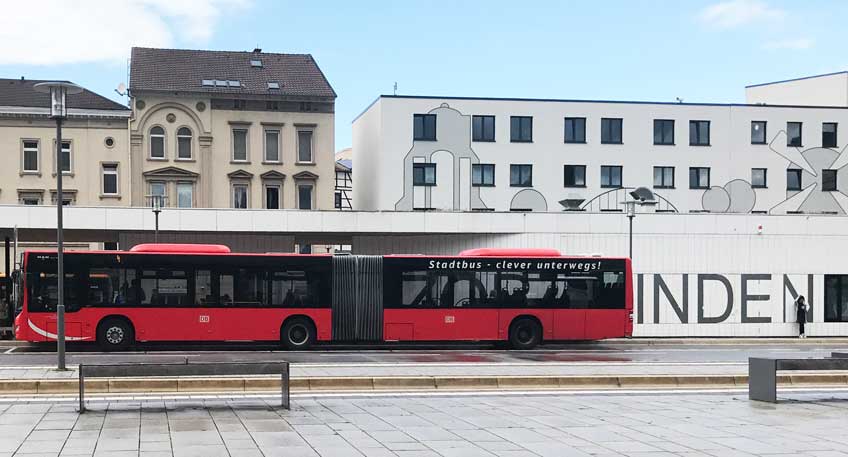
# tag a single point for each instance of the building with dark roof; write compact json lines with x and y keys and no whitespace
{"x":232,"y":129}
{"x":95,"y":144}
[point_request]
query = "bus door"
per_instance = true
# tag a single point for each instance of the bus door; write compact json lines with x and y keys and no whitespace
{"x":166,"y":308}
{"x":468,"y":312}
{"x":608,"y":317}
{"x":574,"y":294}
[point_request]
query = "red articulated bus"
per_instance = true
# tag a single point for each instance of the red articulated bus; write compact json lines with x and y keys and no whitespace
{"x":179,"y":292}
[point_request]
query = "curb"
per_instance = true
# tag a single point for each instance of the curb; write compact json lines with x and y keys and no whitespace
{"x":402,"y":383}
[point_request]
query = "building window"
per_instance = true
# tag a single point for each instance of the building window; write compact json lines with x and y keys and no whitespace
{"x":30,"y":156}
{"x":67,"y":200}
{"x":759,"y":178}
{"x":611,"y":131}
{"x":272,"y":146}
{"x":424,"y":127}
{"x":423,"y":174}
{"x":272,"y":197}
{"x":483,"y":128}
{"x":157,"y":143}
{"x":610,"y":176}
{"x":337,"y":200}
{"x":575,"y":130}
{"x":30,"y":199}
{"x":575,"y":176}
{"x":66,"y":157}
{"x":304,"y":196}
{"x":664,"y":131}
{"x":699,"y":133}
{"x":836,"y":298}
{"x":185,"y":195}
{"x":110,"y":179}
{"x":482,"y":174}
{"x":793,"y":134}
{"x":758,"y":132}
{"x":184,"y":143}
{"x":828,"y":180}
{"x":699,"y":178}
{"x":239,"y":145}
{"x":793,"y":179}
{"x":158,"y":191}
{"x":304,"y":146}
{"x":521,"y":175}
{"x":664,"y":177}
{"x":829,"y":135}
{"x":520,"y":129}
{"x":240,"y":196}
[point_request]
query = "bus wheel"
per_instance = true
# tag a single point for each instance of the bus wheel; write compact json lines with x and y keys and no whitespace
{"x":115,"y":334}
{"x":525,"y":333}
{"x":297,"y":334}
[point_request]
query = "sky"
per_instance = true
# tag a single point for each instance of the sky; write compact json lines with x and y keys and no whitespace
{"x":697,"y":50}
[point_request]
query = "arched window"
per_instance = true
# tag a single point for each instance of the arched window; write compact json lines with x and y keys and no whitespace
{"x":157,"y":143}
{"x":184,"y":143}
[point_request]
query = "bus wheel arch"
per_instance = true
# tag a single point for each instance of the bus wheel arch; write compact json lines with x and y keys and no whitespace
{"x":525,"y":332}
{"x":298,"y":332}
{"x":115,"y":332}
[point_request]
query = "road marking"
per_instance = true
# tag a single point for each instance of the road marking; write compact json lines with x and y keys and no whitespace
{"x":10,"y":350}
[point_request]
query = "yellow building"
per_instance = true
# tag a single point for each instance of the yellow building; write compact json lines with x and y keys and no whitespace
{"x":215,"y":129}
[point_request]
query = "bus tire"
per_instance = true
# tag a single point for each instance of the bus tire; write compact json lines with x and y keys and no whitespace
{"x":525,"y":333}
{"x":297,"y":333}
{"x":115,"y":334}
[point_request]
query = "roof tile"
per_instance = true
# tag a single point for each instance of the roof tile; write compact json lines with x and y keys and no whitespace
{"x":183,"y":70}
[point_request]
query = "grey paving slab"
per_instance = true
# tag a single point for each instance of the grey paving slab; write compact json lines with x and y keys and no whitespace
{"x":645,"y":425}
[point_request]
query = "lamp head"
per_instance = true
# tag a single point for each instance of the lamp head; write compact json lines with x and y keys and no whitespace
{"x":58,"y":91}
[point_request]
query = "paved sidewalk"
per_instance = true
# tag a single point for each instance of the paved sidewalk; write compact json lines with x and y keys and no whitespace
{"x":433,"y":426}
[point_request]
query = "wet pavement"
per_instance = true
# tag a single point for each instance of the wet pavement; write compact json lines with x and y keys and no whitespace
{"x":619,"y":352}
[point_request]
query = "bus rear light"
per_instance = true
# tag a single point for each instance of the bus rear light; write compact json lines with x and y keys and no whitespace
{"x":630,"y":316}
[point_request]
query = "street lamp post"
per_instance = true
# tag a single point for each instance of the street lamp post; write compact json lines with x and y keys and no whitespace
{"x":642,"y":196}
{"x":58,"y":91}
{"x":156,"y":204}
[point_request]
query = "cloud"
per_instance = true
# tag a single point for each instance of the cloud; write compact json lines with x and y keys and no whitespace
{"x":794,"y":44}
{"x":52,"y":32}
{"x":734,"y":13}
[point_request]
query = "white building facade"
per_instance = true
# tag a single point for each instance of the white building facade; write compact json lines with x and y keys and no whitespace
{"x":472,"y":154}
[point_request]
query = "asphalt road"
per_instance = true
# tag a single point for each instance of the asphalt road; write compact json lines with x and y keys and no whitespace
{"x":580,"y":352}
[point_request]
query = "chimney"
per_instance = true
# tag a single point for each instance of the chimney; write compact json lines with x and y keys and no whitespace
{"x":257,"y":50}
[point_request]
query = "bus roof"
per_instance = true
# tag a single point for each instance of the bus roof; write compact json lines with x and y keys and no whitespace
{"x":510,"y":252}
{"x":181,"y":248}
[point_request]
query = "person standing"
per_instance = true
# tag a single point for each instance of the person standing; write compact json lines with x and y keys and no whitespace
{"x":801,"y":310}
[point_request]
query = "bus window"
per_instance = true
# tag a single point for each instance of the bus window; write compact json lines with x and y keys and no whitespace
{"x":203,"y":288}
{"x":513,"y":291}
{"x":44,"y":293}
{"x":414,"y":289}
{"x":241,"y":287}
{"x":611,"y":293}
{"x":291,"y":289}
{"x":579,"y":292}
{"x":542,"y":290}
{"x":161,"y":287}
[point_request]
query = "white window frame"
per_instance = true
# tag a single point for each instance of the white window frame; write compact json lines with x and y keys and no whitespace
{"x":275,"y":185}
{"x":54,"y":196}
{"x":233,"y":187}
{"x":191,"y":188}
{"x":311,"y":185}
{"x":37,"y":151}
{"x":70,"y":171}
{"x":190,"y":137}
{"x":311,"y":146}
{"x":279,"y":133}
{"x":37,"y":196}
{"x":113,"y":170}
{"x":246,"y":130}
{"x":163,"y":136}
{"x":164,"y":184}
